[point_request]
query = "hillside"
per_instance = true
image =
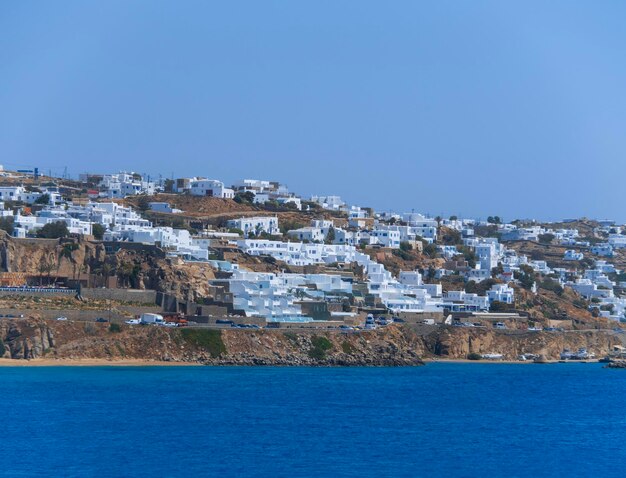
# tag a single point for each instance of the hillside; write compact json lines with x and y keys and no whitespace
{"x":215,"y":211}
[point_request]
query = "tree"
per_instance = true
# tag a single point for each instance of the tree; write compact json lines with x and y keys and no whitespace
{"x":452,"y":237}
{"x":143,"y":203}
{"x":496,"y":271}
{"x":497,"y":306}
{"x":526,"y":280}
{"x":546,"y":238}
{"x":125,"y":272}
{"x":98,"y":231}
{"x":330,"y":237}
{"x":43,"y":199}
{"x":468,"y":255}
{"x":552,"y":285}
{"x":406,"y":246}
{"x":453,"y":218}
{"x":68,"y":252}
{"x":105,"y":272}
{"x":46,"y":266}
{"x":6,"y":224}
{"x":494,"y":220}
{"x":430,"y":250}
{"x":168,"y":185}
{"x":53,"y":230}
{"x":245,"y":197}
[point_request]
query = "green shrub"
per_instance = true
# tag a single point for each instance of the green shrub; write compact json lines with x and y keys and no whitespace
{"x":474,"y":356}
{"x":115,"y":328}
{"x":2,"y":349}
{"x":319,"y":347}
{"x":98,"y":231}
{"x":292,"y":337}
{"x":54,"y":230}
{"x":209,"y":340}
{"x":347,"y":347}
{"x":402,"y":254}
{"x":552,"y":285}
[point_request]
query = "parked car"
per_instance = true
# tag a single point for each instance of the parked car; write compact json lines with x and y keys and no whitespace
{"x":133,"y":322}
{"x":61,"y":318}
{"x":101,"y":319}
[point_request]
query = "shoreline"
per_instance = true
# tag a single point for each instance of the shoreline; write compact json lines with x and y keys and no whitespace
{"x":92,"y":363}
{"x":156,"y":363}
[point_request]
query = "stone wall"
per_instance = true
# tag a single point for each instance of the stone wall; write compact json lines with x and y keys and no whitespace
{"x":123,"y":295}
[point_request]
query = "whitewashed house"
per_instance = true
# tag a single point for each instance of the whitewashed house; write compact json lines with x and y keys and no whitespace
{"x":572,"y":255}
{"x":211,"y":188}
{"x":255,"y":225}
{"x":501,"y":293}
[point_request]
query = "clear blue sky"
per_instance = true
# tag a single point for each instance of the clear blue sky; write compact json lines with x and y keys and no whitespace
{"x":474,"y":108}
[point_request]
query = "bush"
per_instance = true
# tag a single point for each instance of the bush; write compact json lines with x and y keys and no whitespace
{"x":143,"y":203}
{"x":347,"y":347}
{"x":43,"y":199}
{"x":474,"y":356}
{"x":54,"y":230}
{"x":430,"y":250}
{"x":246,"y":197}
{"x":115,"y":328}
{"x":209,"y":340}
{"x":6,"y":224}
{"x":402,"y":254}
{"x":552,"y":285}
{"x":546,"y":238}
{"x":452,"y":237}
{"x":319,"y":347}
{"x":98,"y":231}
{"x":497,"y":306}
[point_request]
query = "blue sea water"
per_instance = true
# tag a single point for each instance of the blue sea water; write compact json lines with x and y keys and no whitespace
{"x":444,"y":420}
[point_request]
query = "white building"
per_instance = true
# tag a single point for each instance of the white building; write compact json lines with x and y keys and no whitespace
{"x":501,"y":293}
{"x":386,"y":238}
{"x":255,"y":225}
{"x":572,"y":255}
{"x":164,"y":207}
{"x":617,"y":241}
{"x":605,"y":250}
{"x":310,"y":234}
{"x":211,"y":188}
{"x":334,"y":203}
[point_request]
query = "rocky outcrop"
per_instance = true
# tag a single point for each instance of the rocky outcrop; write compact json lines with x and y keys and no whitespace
{"x":25,"y":339}
{"x":458,"y":343}
{"x":36,"y":338}
{"x":136,"y":268}
{"x":391,"y":346}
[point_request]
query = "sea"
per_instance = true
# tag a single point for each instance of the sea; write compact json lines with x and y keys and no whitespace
{"x":440,"y":420}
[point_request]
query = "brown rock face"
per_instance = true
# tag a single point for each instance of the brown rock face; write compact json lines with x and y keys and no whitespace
{"x":71,"y":258}
{"x":391,"y":346}
{"x":458,"y":343}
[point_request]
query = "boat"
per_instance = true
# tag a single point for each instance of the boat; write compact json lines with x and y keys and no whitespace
{"x":492,"y":356}
{"x":580,"y":354}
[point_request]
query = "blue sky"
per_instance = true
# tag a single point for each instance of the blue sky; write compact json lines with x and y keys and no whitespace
{"x":448,"y":107}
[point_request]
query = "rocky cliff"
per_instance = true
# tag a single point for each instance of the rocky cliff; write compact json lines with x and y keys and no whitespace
{"x":34,"y":338}
{"x":72,"y":258}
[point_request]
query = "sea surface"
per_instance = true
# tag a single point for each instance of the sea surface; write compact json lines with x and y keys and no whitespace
{"x":443,"y":420}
